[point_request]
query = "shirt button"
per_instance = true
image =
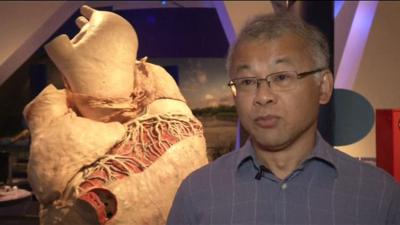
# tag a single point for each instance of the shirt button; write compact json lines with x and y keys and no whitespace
{"x":283,"y":186}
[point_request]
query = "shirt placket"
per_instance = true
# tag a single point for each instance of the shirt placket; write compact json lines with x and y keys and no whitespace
{"x":281,"y":187}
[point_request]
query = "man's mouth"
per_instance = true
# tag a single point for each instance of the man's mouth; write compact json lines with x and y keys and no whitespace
{"x":268,"y":121}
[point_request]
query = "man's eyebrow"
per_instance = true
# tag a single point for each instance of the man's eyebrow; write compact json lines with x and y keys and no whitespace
{"x":242,"y":68}
{"x":283,"y":60}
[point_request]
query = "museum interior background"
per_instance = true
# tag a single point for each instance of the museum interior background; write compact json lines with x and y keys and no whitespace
{"x":190,"y":39}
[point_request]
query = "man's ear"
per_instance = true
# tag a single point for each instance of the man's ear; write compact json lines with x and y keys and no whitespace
{"x":326,"y":87}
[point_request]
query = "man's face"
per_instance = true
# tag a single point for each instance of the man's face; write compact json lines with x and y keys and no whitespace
{"x":275,"y":120}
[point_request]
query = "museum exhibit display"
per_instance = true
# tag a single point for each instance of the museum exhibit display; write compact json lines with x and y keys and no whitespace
{"x":114,"y":145}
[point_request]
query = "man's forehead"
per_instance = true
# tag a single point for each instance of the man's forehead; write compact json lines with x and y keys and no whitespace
{"x":285,"y":39}
{"x":282,"y":60}
{"x":283,"y":50}
{"x":248,"y":62}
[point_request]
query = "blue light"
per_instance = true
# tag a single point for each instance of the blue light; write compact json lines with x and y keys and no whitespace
{"x":338,"y":6}
{"x":163,"y":2}
{"x":355,"y":44}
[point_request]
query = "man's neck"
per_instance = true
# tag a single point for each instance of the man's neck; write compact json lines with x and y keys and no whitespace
{"x":284,"y":161}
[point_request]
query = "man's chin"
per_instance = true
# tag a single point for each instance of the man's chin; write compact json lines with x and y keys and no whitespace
{"x":271,"y":144}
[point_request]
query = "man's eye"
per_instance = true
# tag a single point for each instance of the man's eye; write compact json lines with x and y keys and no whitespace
{"x":247,"y":82}
{"x":282,"y":77}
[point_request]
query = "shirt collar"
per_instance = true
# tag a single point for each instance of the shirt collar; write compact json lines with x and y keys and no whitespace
{"x":322,"y":151}
{"x":245,"y":153}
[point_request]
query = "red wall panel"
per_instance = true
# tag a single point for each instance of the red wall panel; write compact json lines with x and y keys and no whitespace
{"x":388,"y":141}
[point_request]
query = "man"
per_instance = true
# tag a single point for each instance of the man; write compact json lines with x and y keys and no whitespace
{"x":285,"y":173}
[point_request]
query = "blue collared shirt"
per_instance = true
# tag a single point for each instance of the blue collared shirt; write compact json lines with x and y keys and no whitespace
{"x":329,"y":187}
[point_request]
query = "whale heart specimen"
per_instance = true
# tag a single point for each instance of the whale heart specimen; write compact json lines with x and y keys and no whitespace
{"x":115,"y":144}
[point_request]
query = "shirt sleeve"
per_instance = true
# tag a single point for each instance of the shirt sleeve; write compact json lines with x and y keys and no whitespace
{"x":182,"y":210}
{"x":394,"y":213}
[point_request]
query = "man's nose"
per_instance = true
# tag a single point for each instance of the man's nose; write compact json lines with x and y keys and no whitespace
{"x":264,"y":95}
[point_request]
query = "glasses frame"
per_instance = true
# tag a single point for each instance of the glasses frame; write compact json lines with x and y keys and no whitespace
{"x":232,"y":82}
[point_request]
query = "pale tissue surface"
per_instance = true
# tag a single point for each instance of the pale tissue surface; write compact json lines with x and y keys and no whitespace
{"x":100,"y":59}
{"x":62,"y":143}
{"x":100,"y":62}
{"x":144,"y":198}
